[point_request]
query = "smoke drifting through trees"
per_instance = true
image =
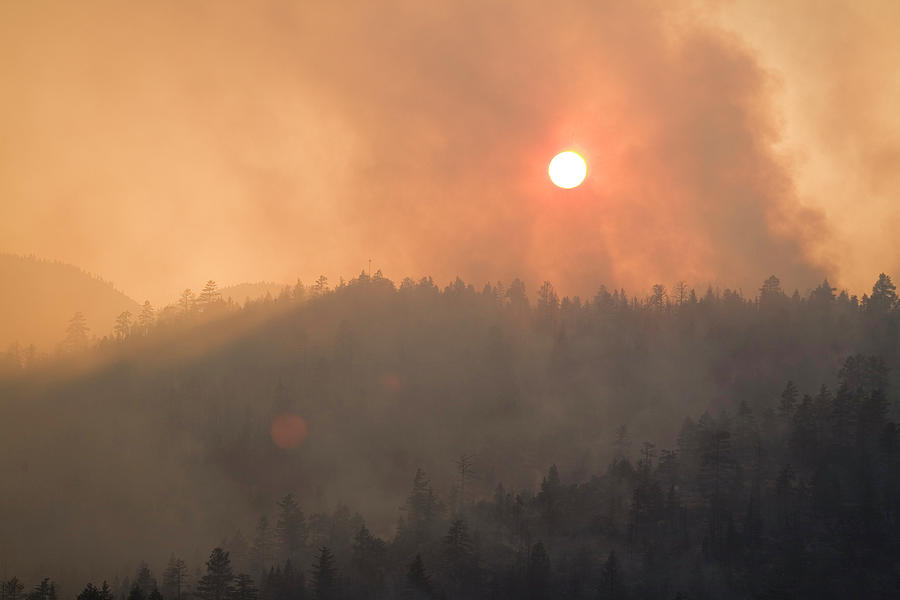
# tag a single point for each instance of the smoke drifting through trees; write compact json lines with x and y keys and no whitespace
{"x":160,"y":441}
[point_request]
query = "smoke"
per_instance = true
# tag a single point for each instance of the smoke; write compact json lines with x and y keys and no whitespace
{"x":838,"y":91}
{"x":165,"y":145}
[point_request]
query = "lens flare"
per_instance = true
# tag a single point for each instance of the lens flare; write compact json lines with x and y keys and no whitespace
{"x":288,"y":431}
{"x":392,"y":382}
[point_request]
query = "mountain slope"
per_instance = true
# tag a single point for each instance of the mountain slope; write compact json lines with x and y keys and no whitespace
{"x":39,"y":297}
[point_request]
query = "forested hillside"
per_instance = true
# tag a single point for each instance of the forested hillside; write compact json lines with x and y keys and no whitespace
{"x":496,"y":443}
{"x":39,"y":297}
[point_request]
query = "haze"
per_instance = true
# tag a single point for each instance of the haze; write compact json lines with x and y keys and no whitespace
{"x":162,"y":145}
{"x":291,"y":310}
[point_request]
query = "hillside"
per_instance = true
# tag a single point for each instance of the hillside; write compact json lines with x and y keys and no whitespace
{"x":177,"y":438}
{"x":39,"y":297}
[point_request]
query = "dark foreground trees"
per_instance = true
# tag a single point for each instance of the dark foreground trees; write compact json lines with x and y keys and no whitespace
{"x":774,"y":486}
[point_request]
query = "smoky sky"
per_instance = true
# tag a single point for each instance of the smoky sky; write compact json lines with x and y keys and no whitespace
{"x":165,"y":144}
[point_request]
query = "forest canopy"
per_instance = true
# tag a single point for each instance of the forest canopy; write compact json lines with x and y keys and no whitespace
{"x":461,"y":443}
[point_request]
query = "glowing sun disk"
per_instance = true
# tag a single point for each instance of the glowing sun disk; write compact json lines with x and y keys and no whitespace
{"x":567,"y":169}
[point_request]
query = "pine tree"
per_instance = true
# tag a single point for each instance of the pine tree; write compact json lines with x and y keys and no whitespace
{"x":659,"y":299}
{"x":105,"y":592}
{"x":549,"y":497}
{"x":187,"y":302}
{"x":418,"y":581}
{"x":263,"y":546}
{"x":147,"y":318}
{"x":174,"y":578}
{"x":717,"y":469}
{"x":76,"y":333}
{"x":90,"y":592}
{"x":320,"y":286}
{"x":457,"y":543}
{"x":771,"y":294}
{"x":290,"y":529}
{"x":217,"y":583}
{"x":611,"y":587}
{"x":123,"y":326}
{"x":788,"y":400}
{"x":209,"y":295}
{"x":421,"y":507}
{"x":244,"y":588}
{"x":537,"y":574}
{"x":884,"y":296}
{"x":136,"y":593}
{"x":324,"y":576}
{"x":145,"y":580}
{"x":45,"y":590}
{"x":547,"y":308}
{"x":460,"y":559}
{"x":369,"y":560}
{"x":12,"y":589}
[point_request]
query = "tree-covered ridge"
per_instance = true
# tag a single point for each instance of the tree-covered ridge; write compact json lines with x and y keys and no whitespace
{"x":547,"y":313}
{"x":40,"y":296}
{"x":173,"y":421}
{"x":798,"y":501}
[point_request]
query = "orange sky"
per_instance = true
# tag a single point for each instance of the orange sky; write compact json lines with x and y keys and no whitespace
{"x":164,"y":144}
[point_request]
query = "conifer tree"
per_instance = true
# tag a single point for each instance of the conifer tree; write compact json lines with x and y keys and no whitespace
{"x":537,"y":575}
{"x":217,"y":583}
{"x":290,"y":529}
{"x":244,"y":588}
{"x":611,"y":580}
{"x":12,"y":589}
{"x":324,"y":576}
{"x":174,"y":578}
{"x":418,"y":581}
{"x":76,"y":333}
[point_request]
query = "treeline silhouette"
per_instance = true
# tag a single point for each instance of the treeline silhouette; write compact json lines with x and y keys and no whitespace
{"x":783,"y":483}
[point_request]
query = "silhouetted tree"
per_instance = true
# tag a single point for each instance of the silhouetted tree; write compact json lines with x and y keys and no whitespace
{"x":217,"y":583}
{"x":884,"y":296}
{"x":136,"y":593}
{"x":244,"y":588}
{"x":369,"y":560}
{"x":537,"y":575}
{"x":187,"y":302}
{"x":174,"y":578}
{"x":76,"y":333}
{"x":771,"y":294}
{"x":262,"y":551}
{"x":123,"y":325}
{"x":418,"y":581}
{"x":611,"y":587}
{"x":788,"y":400}
{"x":659,"y":299}
{"x":147,"y":318}
{"x":90,"y":592}
{"x":12,"y":589}
{"x":45,"y":590}
{"x":547,"y":309}
{"x":145,"y":580}
{"x":421,"y":507}
{"x":209,"y":295}
{"x":324,"y":576}
{"x":290,"y":529}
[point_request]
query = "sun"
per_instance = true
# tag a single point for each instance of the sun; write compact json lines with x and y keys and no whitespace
{"x":567,"y":169}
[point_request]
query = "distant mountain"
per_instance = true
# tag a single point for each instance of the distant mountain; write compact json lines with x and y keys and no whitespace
{"x":39,"y":297}
{"x":241,"y":292}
